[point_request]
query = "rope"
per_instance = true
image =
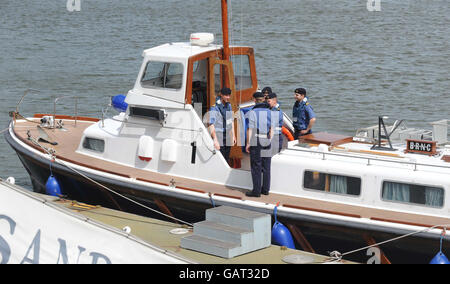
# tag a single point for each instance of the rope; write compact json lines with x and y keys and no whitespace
{"x":4,"y":130}
{"x":337,"y":256}
{"x":123,"y":196}
{"x":212,"y":200}
{"x":52,"y":153}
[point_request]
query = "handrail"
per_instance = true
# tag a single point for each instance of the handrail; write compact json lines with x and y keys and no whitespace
{"x":415,"y":164}
{"x":54,"y":104}
{"x":54,"y":108}
{"x":23,"y":97}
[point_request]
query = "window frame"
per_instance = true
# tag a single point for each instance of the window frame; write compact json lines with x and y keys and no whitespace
{"x":411,"y":203}
{"x":93,"y":150}
{"x":236,"y":75}
{"x":329,"y":192}
{"x":164,"y":62}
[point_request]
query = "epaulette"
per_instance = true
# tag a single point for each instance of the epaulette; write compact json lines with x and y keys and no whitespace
{"x":307,"y":104}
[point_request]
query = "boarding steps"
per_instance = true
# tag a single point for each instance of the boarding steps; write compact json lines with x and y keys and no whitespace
{"x":228,"y":232}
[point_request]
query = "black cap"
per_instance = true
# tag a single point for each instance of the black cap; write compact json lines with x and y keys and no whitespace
{"x":258,"y":95}
{"x":272,"y":95}
{"x":225,"y":91}
{"x":267,"y":90}
{"x":300,"y":91}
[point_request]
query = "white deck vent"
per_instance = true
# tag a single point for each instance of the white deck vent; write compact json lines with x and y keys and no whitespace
{"x":440,"y":131}
{"x":145,"y":150}
{"x":202,"y":39}
{"x":169,"y":150}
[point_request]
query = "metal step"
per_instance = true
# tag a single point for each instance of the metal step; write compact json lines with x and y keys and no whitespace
{"x":229,"y":231}
{"x":211,"y":246}
{"x":223,"y":232}
{"x":236,"y":217}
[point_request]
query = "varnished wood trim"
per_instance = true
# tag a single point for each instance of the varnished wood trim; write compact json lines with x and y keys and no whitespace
{"x":404,"y":223}
{"x":152,"y":181}
{"x":322,"y":211}
{"x":191,"y":189}
{"x":229,"y":196}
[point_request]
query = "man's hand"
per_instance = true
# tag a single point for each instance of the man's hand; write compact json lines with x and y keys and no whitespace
{"x":304,"y":131}
{"x":216,"y":144}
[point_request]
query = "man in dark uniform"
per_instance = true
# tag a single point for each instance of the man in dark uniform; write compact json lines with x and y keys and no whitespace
{"x":259,"y":133}
{"x":303,"y":114}
{"x":221,"y":124}
{"x":277,"y":122}
{"x":266,"y":91}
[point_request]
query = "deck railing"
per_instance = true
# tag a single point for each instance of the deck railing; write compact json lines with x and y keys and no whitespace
{"x":369,"y":159}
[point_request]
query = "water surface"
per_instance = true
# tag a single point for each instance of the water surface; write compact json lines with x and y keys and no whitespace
{"x":355,"y":64}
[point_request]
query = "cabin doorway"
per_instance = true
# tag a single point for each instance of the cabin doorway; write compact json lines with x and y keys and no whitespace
{"x":199,"y":96}
{"x":208,"y":73}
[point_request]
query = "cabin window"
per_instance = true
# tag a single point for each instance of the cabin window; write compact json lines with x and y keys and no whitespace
{"x":413,"y":193}
{"x":199,"y":96}
{"x":242,"y":74}
{"x":332,"y":183}
{"x":97,"y":145}
{"x":164,"y":75}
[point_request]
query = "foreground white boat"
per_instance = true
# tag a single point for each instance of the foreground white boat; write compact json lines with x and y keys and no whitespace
{"x":37,"y":230}
{"x":159,"y":152}
{"x":41,"y":229}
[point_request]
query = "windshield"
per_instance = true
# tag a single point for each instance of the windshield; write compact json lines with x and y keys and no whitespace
{"x":164,"y":75}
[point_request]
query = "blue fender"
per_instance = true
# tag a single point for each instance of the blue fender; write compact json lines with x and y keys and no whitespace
{"x":52,"y":186}
{"x":440,"y":258}
{"x":280,"y":234}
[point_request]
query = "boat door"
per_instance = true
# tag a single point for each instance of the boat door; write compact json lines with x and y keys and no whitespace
{"x":239,"y":75}
{"x":208,"y":73}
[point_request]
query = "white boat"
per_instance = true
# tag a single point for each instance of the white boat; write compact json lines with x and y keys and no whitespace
{"x":39,"y":229}
{"x":379,"y":184}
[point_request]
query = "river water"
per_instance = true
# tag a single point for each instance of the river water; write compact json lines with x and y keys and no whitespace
{"x":356,"y":63}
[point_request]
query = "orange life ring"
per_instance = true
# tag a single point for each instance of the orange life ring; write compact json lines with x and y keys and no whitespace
{"x":287,"y":133}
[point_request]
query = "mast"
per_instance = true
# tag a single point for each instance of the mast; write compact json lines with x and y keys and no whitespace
{"x":226,"y":45}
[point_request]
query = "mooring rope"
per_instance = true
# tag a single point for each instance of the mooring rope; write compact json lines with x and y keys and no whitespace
{"x":4,"y":130}
{"x":123,"y":196}
{"x":52,"y":154}
{"x":337,"y":256}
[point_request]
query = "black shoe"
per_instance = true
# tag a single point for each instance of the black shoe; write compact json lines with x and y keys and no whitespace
{"x":251,"y":194}
{"x":265,"y":193}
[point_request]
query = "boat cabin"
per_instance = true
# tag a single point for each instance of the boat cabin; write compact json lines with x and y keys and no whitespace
{"x":176,"y":74}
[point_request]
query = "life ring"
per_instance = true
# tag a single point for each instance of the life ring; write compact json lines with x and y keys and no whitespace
{"x":287,"y":133}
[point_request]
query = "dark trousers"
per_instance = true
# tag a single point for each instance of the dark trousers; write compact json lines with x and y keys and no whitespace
{"x":225,"y":150}
{"x":260,"y":165}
